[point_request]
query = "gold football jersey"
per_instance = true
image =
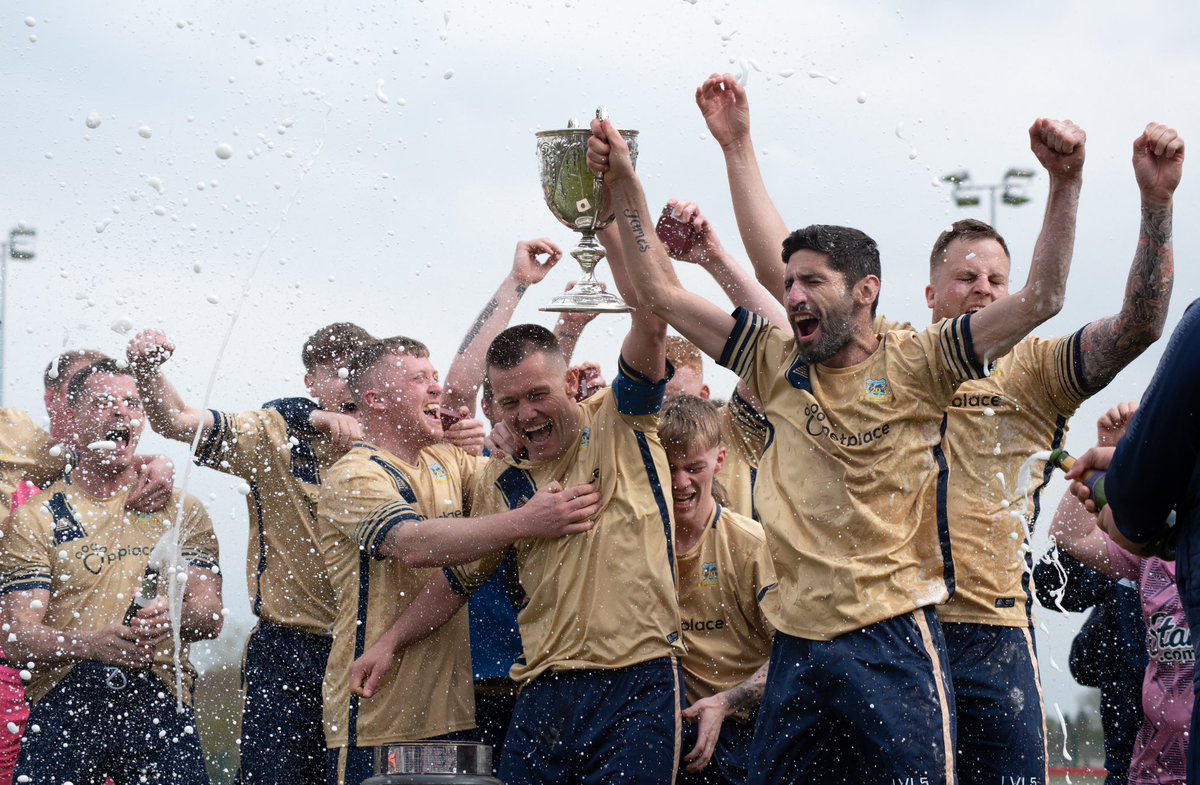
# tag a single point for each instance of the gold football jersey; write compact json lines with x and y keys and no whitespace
{"x":721,"y":578}
{"x":363,"y":496}
{"x":91,"y":554}
{"x":993,"y":426}
{"x":846,"y":487}
{"x":24,"y":456}
{"x":605,"y":598}
{"x":287,"y":581}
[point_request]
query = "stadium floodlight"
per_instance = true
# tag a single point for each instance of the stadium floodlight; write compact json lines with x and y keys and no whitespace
{"x":20,"y":246}
{"x":1011,"y":189}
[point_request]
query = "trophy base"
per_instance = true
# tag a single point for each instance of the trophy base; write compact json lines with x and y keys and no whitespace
{"x":600,"y":302}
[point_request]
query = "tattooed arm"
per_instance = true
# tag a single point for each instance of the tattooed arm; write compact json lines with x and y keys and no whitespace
{"x":465,"y":376}
{"x":1112,"y":343}
{"x":651,"y":273}
{"x":710,"y":714}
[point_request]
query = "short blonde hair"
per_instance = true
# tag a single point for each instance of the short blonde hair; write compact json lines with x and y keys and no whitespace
{"x":687,"y":421}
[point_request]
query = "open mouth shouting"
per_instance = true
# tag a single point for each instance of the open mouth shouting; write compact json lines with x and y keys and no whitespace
{"x":116,"y":439}
{"x":684,"y":499}
{"x":538,"y":435}
{"x":806,"y":324}
{"x":433,"y":416}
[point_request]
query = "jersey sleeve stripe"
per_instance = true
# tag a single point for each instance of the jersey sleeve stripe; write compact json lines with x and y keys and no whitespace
{"x":959,"y":349}
{"x":1070,"y":367}
{"x":27,"y":582}
{"x":739,"y":346}
{"x":208,"y":449}
{"x":636,"y":395}
{"x":374,"y":528}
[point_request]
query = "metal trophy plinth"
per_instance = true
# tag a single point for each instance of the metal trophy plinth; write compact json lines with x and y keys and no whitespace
{"x":578,"y":199}
{"x":433,"y":763}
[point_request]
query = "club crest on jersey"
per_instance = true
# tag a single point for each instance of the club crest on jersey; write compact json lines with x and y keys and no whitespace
{"x":878,"y":391}
{"x":708,"y":574}
{"x":66,"y":525}
{"x":585,"y":437}
{"x":438,"y":472}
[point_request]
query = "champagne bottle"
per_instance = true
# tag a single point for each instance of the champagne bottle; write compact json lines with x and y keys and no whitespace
{"x":149,"y":590}
{"x":1092,"y":478}
{"x":1162,"y":546}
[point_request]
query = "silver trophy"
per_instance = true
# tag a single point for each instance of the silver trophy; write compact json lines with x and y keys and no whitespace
{"x":578,"y":199}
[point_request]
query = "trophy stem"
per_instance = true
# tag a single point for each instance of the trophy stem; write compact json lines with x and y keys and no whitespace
{"x":588,"y":296}
{"x":588,"y":253}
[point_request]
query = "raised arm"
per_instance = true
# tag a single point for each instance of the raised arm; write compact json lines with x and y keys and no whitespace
{"x":726,"y":110}
{"x":1112,"y":343}
{"x":645,"y":346}
{"x":739,"y":286}
{"x":465,"y":376}
{"x":1059,"y":147}
{"x":168,"y":414}
{"x":653,"y":279}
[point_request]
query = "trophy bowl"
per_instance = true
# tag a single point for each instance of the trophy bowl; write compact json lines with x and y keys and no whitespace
{"x":578,"y":199}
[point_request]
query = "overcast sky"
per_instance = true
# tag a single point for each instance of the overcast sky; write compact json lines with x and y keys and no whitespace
{"x":383,"y":164}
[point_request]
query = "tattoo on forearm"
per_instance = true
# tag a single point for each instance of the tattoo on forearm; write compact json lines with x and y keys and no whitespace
{"x":639,"y":231}
{"x":480,"y":321}
{"x":1112,"y":343}
{"x":749,"y":693}
{"x":521,"y":289}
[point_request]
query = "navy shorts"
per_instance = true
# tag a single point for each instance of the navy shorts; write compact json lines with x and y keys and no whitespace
{"x":283,"y":738}
{"x":730,"y":758}
{"x":998,"y":704}
{"x":597,"y":726}
{"x":874,"y":705}
{"x":102,"y":722}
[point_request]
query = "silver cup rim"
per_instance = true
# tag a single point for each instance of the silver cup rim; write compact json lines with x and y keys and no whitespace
{"x":580,"y":131}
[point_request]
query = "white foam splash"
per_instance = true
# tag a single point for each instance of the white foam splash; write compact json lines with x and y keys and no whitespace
{"x":1062,"y":721}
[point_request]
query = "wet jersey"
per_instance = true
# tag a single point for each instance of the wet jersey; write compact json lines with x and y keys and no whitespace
{"x":846,"y":487}
{"x":364,"y":495}
{"x":91,"y":554}
{"x":993,"y":426}
{"x":24,"y":455}
{"x":744,"y":436}
{"x":720,"y":579}
{"x":605,"y":598}
{"x":287,"y":581}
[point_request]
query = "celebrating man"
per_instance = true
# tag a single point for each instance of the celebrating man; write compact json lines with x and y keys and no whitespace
{"x":103,"y":686}
{"x":282,"y":460}
{"x":390,"y":508}
{"x":846,"y":487}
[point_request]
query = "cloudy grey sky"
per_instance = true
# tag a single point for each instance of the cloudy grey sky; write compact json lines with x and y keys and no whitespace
{"x":382,"y":163}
